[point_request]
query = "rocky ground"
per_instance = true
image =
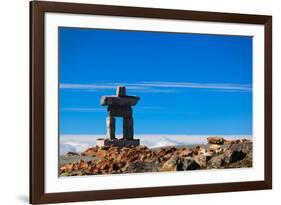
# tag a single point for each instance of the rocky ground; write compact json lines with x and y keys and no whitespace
{"x":217,"y":154}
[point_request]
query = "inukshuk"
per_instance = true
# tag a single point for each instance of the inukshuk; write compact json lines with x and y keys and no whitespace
{"x":119,"y":106}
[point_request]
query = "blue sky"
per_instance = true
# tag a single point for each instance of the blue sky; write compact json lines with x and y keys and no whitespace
{"x":188,"y":83}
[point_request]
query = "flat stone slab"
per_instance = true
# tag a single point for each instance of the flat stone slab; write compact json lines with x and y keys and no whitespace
{"x":101,"y":142}
{"x":120,"y":101}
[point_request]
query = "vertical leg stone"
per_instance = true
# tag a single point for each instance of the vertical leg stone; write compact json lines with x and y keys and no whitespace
{"x":128,"y":128}
{"x":110,"y":126}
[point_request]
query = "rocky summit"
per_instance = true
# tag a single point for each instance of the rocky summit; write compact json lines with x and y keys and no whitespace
{"x":217,"y":154}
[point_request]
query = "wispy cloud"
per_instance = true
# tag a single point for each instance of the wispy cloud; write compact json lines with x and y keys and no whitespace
{"x":95,"y":109}
{"x":146,"y":109}
{"x":159,"y":87}
{"x":99,"y":86}
{"x":84,"y":109}
{"x":85,"y":86}
{"x":223,"y":86}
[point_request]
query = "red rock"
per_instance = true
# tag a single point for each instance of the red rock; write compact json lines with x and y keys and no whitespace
{"x":101,"y":153}
{"x":170,"y":165}
{"x":103,"y":164}
{"x":95,"y":170}
{"x":170,"y":150}
{"x":113,"y":149}
{"x":116,"y":166}
{"x":83,"y":165}
{"x":142,"y":157}
{"x":186,"y":153}
{"x":141,"y":147}
{"x":66,"y":168}
{"x":122,"y":157}
{"x":76,"y":167}
{"x":125,"y":149}
{"x":90,"y":152}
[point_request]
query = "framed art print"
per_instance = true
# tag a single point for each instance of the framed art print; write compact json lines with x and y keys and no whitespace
{"x":140,"y":102}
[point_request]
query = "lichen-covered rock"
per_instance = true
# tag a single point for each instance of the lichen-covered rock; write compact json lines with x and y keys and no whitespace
{"x":233,"y":156}
{"x":216,"y":162}
{"x":215,"y":140}
{"x":180,"y":164}
{"x":188,"y":164}
{"x":170,"y":165}
{"x":186,"y":153}
{"x":199,"y":150}
{"x":216,"y":149}
{"x":201,"y":160}
{"x":141,"y":166}
{"x":229,"y":142}
{"x":245,"y":162}
{"x":209,"y":154}
{"x":245,"y":147}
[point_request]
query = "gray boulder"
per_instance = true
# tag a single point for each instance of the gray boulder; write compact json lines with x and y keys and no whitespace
{"x":233,"y":157}
{"x":180,"y":164}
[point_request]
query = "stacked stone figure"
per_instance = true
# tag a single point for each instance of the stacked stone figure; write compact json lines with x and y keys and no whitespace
{"x":119,"y":106}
